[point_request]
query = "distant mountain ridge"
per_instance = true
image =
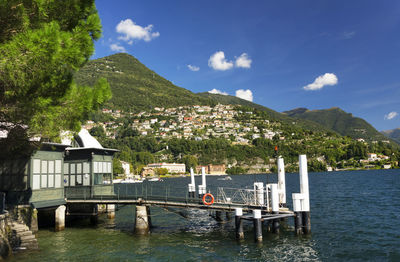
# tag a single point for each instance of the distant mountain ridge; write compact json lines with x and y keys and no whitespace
{"x":393,"y":134}
{"x":340,"y":121}
{"x":137,"y":88}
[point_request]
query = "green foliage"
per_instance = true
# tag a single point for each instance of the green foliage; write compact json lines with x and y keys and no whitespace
{"x":42,"y":44}
{"x":316,"y":166}
{"x":161,"y":171}
{"x":190,"y":162}
{"x":135,"y":87}
{"x":117,"y":166}
{"x":236,"y":170}
{"x":98,"y":131}
{"x":339,"y":121}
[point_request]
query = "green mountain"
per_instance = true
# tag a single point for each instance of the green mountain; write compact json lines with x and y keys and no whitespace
{"x":270,"y":114}
{"x":338,"y":120}
{"x":137,"y":88}
{"x":393,"y":134}
{"x":134,"y":86}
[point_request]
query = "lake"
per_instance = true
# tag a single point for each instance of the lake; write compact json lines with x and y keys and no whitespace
{"x":355,"y":216}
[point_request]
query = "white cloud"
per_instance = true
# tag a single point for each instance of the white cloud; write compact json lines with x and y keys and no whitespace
{"x":193,"y":68}
{"x":245,"y":94}
{"x":117,"y":48}
{"x":391,"y":115}
{"x":348,"y":35}
{"x":216,"y":91}
{"x":243,"y":61}
{"x":131,"y":31}
{"x":218,"y":62}
{"x":327,"y":79}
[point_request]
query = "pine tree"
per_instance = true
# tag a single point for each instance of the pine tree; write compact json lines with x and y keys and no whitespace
{"x":42,"y":44}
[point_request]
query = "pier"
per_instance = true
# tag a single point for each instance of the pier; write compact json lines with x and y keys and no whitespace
{"x":263,"y":203}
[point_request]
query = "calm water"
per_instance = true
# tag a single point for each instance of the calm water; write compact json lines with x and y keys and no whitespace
{"x":355,"y":216}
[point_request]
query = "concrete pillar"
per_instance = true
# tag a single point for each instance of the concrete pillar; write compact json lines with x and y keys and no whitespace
{"x":281,"y":182}
{"x":34,"y":221}
{"x":60,"y":218}
{"x":142,"y":225}
{"x":257,"y":225}
{"x":239,"y":223}
{"x":304,"y":189}
{"x":298,"y":224}
{"x":110,"y":211}
{"x":275,"y":207}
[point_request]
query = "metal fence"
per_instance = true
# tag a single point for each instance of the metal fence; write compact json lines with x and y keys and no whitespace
{"x":165,"y":192}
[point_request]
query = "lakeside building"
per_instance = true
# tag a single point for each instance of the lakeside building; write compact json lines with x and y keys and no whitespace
{"x":212,"y":169}
{"x":173,"y":168}
{"x":43,"y":178}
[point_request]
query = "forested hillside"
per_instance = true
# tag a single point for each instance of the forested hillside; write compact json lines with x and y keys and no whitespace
{"x":339,"y":121}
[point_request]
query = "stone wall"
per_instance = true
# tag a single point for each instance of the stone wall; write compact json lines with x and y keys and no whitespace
{"x":5,"y":249}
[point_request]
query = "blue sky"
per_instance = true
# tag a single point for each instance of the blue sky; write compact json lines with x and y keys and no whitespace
{"x":316,"y":54}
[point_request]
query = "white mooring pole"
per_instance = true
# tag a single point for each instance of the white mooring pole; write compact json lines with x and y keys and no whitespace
{"x":259,"y":193}
{"x":192,"y":185}
{"x":202,"y":187}
{"x":281,"y":182}
{"x":304,"y":190}
{"x":275,"y":206}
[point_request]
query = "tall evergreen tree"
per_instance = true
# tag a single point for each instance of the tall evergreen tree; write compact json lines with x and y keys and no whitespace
{"x":42,"y":44}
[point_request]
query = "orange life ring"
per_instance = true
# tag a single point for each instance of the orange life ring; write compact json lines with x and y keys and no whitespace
{"x":208,"y":203}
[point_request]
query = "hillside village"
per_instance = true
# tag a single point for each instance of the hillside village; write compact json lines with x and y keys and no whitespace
{"x":239,"y":126}
{"x":197,"y":122}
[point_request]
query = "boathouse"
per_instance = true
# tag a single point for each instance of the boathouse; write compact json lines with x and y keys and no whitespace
{"x":35,"y":180}
{"x":88,"y":167}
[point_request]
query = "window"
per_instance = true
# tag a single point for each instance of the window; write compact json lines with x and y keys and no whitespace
{"x":66,"y":168}
{"x":72,"y":169}
{"x":95,"y":167}
{"x":100,"y":167}
{"x":44,"y":167}
{"x":51,"y":167}
{"x":79,"y":168}
{"x":51,"y":180}
{"x":66,"y":180}
{"x":86,"y":180}
{"x":36,"y":166}
{"x":36,"y":182}
{"x":43,"y":181}
{"x":58,"y":167}
{"x":57,"y":182}
{"x":79,"y":180}
{"x":72,"y":180}
{"x":86,"y":167}
{"x":109,"y":167}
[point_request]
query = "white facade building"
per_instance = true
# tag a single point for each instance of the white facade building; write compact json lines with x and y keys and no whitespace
{"x":172,"y":167}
